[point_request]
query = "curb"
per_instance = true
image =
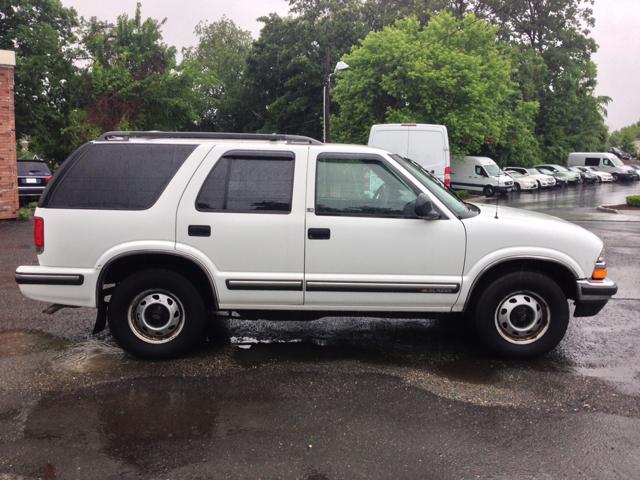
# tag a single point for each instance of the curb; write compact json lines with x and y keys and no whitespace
{"x":605,"y":209}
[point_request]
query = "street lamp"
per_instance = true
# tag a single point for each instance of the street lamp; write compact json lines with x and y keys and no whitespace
{"x":340,"y":67}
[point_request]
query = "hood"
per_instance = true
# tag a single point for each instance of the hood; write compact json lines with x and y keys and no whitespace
{"x":518,"y":233}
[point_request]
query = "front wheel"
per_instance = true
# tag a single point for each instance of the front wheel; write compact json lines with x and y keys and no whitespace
{"x":157,"y":314}
{"x":489,"y":191}
{"x":522,"y":315}
{"x":615,"y":177}
{"x":516,"y":187}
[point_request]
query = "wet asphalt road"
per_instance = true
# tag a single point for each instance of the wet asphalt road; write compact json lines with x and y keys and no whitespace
{"x":330,"y":399}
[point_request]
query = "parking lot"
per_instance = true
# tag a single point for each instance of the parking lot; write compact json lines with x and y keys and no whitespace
{"x":329,"y":399}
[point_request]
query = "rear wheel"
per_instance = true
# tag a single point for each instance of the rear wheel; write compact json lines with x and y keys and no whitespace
{"x":157,"y":314}
{"x":522,"y":315}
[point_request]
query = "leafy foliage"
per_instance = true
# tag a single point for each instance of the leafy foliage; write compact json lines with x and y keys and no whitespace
{"x":41,"y":34}
{"x":634,"y":201}
{"x":405,"y":75}
{"x":625,"y":138}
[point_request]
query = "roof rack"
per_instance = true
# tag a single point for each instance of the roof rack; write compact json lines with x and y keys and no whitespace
{"x":291,"y":139}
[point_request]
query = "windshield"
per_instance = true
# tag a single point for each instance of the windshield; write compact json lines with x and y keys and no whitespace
{"x":439,"y":189}
{"x":533,"y":171}
{"x":560,"y":169}
{"x":617,"y":162}
{"x":515,"y":174}
{"x":493,"y":170}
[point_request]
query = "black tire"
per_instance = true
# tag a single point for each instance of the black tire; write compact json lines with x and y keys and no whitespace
{"x":522,"y":315}
{"x":615,"y":176}
{"x":489,"y":191}
{"x":516,"y":187}
{"x":157,"y":314}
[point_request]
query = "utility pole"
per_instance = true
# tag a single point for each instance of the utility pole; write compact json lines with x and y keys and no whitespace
{"x":327,"y":72}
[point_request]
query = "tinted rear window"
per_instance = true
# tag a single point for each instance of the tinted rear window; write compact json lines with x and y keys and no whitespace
{"x":118,"y":177}
{"x":29,"y":166}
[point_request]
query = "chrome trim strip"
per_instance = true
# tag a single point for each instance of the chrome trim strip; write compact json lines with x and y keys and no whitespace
{"x":49,"y":279}
{"x":295,"y":285}
{"x":387,"y":287}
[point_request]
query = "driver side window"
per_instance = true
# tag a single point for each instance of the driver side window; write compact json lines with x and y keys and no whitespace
{"x":361,"y":187}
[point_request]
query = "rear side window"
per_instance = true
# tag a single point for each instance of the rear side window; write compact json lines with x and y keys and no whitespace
{"x":249,"y":182}
{"x":592,"y":162}
{"x":118,"y":177}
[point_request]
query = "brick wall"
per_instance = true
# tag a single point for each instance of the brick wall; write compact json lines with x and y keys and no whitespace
{"x":8,"y":168}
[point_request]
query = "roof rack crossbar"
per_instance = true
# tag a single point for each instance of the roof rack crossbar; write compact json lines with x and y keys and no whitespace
{"x":125,"y":136}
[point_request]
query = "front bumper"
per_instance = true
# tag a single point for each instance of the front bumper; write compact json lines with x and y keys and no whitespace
{"x":592,"y":296}
{"x":504,"y":189}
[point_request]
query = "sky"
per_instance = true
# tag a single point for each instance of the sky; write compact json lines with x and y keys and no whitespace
{"x":617,"y":32}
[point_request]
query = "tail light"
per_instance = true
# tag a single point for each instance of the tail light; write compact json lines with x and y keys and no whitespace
{"x":447,"y":176}
{"x":38,"y":234}
{"x":46,"y":180}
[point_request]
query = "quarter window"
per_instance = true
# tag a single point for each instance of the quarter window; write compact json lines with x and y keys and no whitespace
{"x":361,"y":187}
{"x":249,"y":183}
{"x":592,"y":162}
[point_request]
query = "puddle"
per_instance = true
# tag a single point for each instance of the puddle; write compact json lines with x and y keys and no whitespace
{"x":15,"y":343}
{"x":89,"y":356}
{"x":141,"y":422}
{"x":466,"y":373}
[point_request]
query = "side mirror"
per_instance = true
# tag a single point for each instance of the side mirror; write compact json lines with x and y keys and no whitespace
{"x":424,"y":208}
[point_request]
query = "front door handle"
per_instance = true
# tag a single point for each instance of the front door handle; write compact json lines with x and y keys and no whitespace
{"x":319,"y":234}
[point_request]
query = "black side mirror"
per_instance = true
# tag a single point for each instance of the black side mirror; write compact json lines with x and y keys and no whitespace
{"x":424,"y":208}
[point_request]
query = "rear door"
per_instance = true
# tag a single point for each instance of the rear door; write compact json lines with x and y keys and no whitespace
{"x":243,"y":216}
{"x":364,"y":246}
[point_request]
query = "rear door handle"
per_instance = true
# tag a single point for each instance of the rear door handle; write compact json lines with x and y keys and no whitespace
{"x":319,"y":234}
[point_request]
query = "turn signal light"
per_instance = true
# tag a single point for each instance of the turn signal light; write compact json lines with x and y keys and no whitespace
{"x":38,"y":234}
{"x":600,"y":273}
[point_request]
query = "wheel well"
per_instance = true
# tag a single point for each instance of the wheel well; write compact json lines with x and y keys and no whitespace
{"x":120,"y":268}
{"x":564,"y":277}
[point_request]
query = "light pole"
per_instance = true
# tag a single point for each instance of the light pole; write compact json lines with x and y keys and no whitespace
{"x":340,"y":67}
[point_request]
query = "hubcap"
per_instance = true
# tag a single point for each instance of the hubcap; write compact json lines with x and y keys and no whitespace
{"x":156,"y":316}
{"x":522,"y":318}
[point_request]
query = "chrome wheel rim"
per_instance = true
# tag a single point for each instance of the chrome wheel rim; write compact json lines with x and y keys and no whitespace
{"x":156,"y":316}
{"x":522,"y":318}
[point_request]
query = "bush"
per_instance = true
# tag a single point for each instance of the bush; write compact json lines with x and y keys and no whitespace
{"x":24,"y":214}
{"x":462,"y":193}
{"x":634,"y":201}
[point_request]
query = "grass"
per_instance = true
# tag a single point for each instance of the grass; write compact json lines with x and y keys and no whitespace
{"x":462,"y":193}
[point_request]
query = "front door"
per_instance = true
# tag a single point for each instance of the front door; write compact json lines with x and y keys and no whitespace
{"x":365,"y":248}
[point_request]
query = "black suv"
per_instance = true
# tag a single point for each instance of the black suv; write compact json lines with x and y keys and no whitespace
{"x":33,"y":176}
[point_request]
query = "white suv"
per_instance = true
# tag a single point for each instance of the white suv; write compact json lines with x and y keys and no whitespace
{"x":162,"y":231}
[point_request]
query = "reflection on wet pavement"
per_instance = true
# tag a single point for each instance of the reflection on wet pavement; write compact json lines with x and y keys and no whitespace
{"x":21,"y":342}
{"x":89,"y":356}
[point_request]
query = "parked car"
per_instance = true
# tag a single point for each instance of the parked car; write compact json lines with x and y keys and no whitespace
{"x":585,"y":177}
{"x":33,"y":177}
{"x":558,"y":171}
{"x":601,"y":176}
{"x":606,"y":162}
{"x":522,"y":182}
{"x":543,"y":179}
{"x":636,"y":168}
{"x":185,"y":226}
{"x":621,"y":154}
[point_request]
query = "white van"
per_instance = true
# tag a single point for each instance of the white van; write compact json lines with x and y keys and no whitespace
{"x":425,"y":144}
{"x":479,"y":174}
{"x":604,"y":162}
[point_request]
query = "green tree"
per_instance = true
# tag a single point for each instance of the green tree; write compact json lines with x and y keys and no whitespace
{"x":133,"y":81}
{"x":41,"y":34}
{"x":556,"y":71}
{"x":625,"y":137}
{"x":221,"y":52}
{"x":404,"y":74}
